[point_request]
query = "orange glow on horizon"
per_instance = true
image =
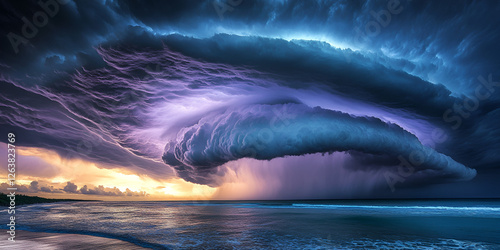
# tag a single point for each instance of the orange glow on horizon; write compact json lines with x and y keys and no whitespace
{"x":81,"y":172}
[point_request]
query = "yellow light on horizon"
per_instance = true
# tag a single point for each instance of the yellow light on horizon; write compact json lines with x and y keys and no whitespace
{"x":82,"y":172}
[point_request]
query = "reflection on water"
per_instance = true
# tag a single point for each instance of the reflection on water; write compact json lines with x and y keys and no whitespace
{"x":294,"y":224}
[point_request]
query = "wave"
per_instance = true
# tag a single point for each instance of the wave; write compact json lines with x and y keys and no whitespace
{"x":324,"y":206}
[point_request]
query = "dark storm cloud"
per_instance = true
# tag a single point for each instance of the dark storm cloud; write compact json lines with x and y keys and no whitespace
{"x":414,"y":59}
{"x":441,"y":41}
{"x":40,"y":121}
{"x":477,"y":141}
{"x":31,"y":46}
{"x":364,"y":78}
{"x":107,"y":96}
{"x":255,"y":132}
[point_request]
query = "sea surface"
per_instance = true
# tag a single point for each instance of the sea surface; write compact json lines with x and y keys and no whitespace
{"x":346,"y":224}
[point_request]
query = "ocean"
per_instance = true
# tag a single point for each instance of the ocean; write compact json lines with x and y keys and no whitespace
{"x":333,"y":224}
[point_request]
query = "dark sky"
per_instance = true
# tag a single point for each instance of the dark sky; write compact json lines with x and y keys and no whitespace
{"x":306,"y":99}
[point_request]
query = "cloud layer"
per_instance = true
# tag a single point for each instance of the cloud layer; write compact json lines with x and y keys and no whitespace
{"x":184,"y":84}
{"x":36,"y":187}
{"x":265,"y":132}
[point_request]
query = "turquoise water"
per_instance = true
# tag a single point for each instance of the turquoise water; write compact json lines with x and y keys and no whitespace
{"x":348,"y":224}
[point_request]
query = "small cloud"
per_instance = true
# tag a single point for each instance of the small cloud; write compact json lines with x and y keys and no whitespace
{"x":34,"y":185}
{"x":71,"y":188}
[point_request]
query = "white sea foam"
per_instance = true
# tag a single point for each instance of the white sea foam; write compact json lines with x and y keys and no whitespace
{"x":324,"y":206}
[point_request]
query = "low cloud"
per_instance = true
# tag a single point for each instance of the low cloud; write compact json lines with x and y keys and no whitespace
{"x":71,"y":188}
{"x":101,"y":190}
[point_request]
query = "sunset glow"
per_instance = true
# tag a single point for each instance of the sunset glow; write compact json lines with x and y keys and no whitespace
{"x":81,"y":172}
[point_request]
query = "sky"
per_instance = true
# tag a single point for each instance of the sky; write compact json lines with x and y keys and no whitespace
{"x":238,"y":99}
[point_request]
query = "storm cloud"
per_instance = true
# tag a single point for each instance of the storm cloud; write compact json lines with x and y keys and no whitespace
{"x":256,"y":132}
{"x":188,"y":89}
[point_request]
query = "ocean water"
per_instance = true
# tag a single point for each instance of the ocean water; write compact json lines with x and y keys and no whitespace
{"x":348,"y":224}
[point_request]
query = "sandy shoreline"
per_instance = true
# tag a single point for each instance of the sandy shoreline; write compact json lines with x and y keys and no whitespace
{"x":39,"y":240}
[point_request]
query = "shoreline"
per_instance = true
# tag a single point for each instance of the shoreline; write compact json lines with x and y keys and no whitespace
{"x":43,"y":240}
{"x":22,"y":199}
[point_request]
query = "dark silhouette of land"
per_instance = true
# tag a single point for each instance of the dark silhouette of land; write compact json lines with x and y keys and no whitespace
{"x":25,"y":200}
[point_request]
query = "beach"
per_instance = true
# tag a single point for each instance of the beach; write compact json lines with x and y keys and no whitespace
{"x":46,"y":241}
